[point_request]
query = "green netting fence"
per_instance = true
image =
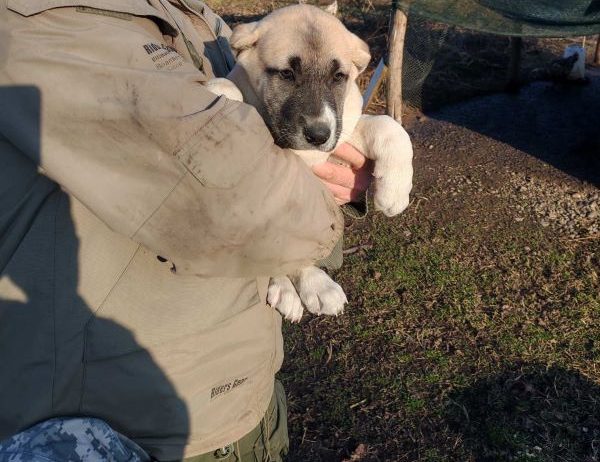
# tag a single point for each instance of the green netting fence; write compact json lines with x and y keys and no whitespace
{"x":539,"y":18}
{"x":432,"y":45}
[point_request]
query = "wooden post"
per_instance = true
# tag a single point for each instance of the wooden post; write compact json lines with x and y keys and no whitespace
{"x":597,"y":52}
{"x":394,"y":75}
{"x":514,"y":67}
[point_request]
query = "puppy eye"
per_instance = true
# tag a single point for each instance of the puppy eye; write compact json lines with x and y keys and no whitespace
{"x":286,"y":74}
{"x":339,"y":77}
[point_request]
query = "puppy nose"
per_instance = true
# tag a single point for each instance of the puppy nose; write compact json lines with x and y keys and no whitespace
{"x":317,"y":134}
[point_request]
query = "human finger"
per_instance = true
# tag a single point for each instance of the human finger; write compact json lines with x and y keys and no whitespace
{"x":341,"y":194}
{"x":350,"y":155}
{"x":336,"y":174}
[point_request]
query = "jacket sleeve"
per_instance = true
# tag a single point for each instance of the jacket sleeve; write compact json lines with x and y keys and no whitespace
{"x":128,"y":129}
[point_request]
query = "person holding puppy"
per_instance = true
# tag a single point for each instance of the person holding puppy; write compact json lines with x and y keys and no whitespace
{"x":140,"y":220}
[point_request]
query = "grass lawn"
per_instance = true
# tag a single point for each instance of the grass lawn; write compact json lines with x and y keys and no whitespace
{"x":473,"y":330}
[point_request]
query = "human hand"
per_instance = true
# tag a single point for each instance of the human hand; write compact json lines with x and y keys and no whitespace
{"x":347,"y":183}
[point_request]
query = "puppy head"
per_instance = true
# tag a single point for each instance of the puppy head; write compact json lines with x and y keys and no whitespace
{"x":302,"y":64}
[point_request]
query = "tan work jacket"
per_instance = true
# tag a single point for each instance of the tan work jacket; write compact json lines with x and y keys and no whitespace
{"x":140,"y":218}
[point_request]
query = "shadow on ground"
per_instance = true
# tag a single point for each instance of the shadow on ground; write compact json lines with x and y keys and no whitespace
{"x":529,"y":413}
{"x":555,"y":123}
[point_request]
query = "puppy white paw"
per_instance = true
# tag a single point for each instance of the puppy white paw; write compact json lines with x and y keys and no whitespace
{"x":391,"y":148}
{"x":224,"y":87}
{"x":392,"y":192}
{"x":319,"y":293}
{"x":283,"y":297}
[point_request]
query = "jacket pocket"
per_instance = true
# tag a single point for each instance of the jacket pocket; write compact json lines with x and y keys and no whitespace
{"x":160,"y":308}
{"x":227,"y":147}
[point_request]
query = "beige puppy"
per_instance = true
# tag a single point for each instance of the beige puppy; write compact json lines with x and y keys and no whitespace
{"x":298,"y":67}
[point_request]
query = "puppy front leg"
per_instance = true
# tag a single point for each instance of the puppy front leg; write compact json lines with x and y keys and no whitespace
{"x":385,"y":141}
{"x":319,"y":293}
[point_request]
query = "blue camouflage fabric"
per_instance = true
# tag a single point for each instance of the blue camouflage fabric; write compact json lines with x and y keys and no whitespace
{"x":71,"y":440}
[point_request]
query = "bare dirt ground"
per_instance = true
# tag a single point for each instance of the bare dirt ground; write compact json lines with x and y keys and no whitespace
{"x":473,"y":330}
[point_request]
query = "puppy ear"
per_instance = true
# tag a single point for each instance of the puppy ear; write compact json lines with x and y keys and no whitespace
{"x":244,"y":36}
{"x":360,"y":55}
{"x":332,"y":8}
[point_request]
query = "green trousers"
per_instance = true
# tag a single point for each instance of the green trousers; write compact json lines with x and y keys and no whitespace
{"x":268,"y":442}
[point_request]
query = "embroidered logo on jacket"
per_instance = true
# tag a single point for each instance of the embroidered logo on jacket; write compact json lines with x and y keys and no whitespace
{"x":164,"y":56}
{"x":219,"y":390}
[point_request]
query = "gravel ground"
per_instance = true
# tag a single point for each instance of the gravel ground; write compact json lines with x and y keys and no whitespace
{"x":573,"y":214}
{"x":550,"y":123}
